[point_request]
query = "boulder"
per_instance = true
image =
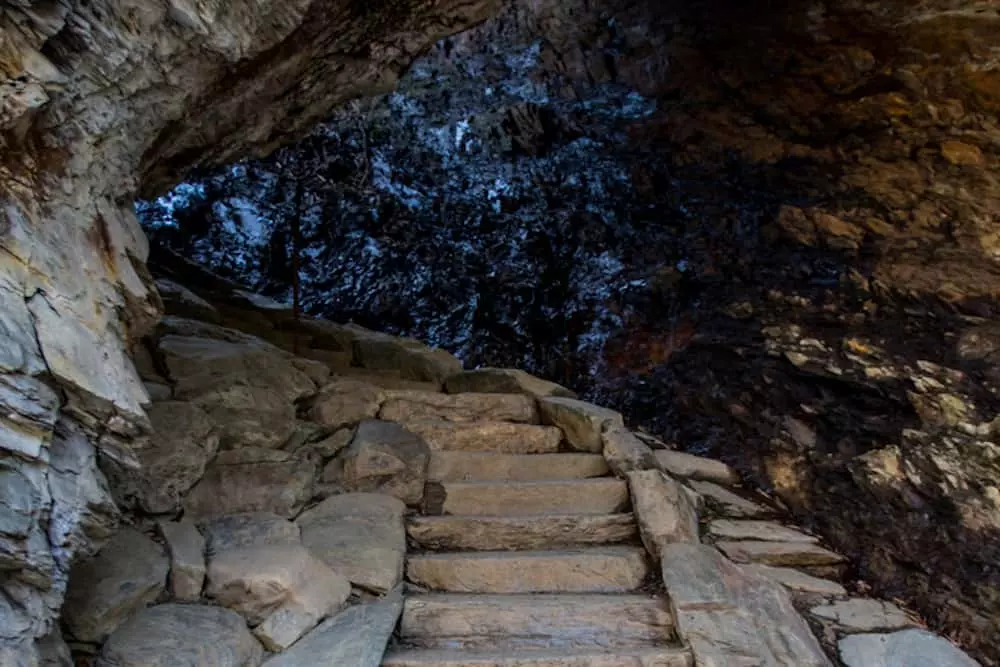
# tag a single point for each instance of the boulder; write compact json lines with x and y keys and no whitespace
{"x":662,"y":510}
{"x":906,"y":648}
{"x":413,"y":359}
{"x":356,"y":637}
{"x":172,"y":460}
{"x":733,"y":616}
{"x":175,"y":635}
{"x":407,"y":406}
{"x":359,"y":535}
{"x":385,"y":458}
{"x":345,"y":403}
{"x":252,"y":480}
{"x":682,"y":464}
{"x":247,"y":413}
{"x":129,"y":573}
{"x":186,"y":547}
{"x":624,"y":452}
{"x":179,"y":301}
{"x":317,"y":371}
{"x":282,"y":589}
{"x":240,"y":531}
{"x":583,"y":423}
{"x":504,"y":381}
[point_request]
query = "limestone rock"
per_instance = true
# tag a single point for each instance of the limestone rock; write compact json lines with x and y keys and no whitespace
{"x":413,"y":359}
{"x":494,"y":437}
{"x":862,"y":615}
{"x":504,"y":381}
{"x":728,"y":503}
{"x":186,"y":547}
{"x":176,"y":635}
{"x":359,"y":535}
{"x":345,"y":403}
{"x":282,"y":589}
{"x":625,"y":452}
{"x":583,"y":423}
{"x":129,"y":573}
{"x":240,"y":531}
{"x":662,"y":509}
{"x":356,"y":636}
{"x":682,"y":464}
{"x":906,"y":648}
{"x":386,"y":458}
{"x":252,"y":480}
{"x":766,"y":531}
{"x":173,"y":460}
{"x":408,"y":406}
{"x":732,"y":616}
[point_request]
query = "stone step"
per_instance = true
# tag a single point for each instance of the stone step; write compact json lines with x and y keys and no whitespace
{"x":535,"y":621}
{"x":648,"y":657}
{"x":498,"y":533}
{"x":604,"y":495}
{"x":492,"y":437}
{"x":606,"y":569}
{"x":477,"y":466}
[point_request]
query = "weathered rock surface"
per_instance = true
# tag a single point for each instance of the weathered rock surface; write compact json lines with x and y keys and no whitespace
{"x":638,"y":657}
{"x":662,"y":509}
{"x":129,"y":573}
{"x":728,"y":529}
{"x":186,"y":548}
{"x":682,"y":464}
{"x":731,"y":616}
{"x":862,"y":615}
{"x":359,"y":535}
{"x":586,"y":496}
{"x":356,"y":636}
{"x":488,"y":533}
{"x":906,"y":648}
{"x":583,"y":423}
{"x":252,"y":480}
{"x":790,"y":554}
{"x":728,"y":503}
{"x":504,"y":381}
{"x":494,"y":437}
{"x":410,"y":358}
{"x":591,"y":569}
{"x":176,"y":635}
{"x":451,"y":466}
{"x":410,"y":406}
{"x":796,"y":580}
{"x":624,"y":452}
{"x":172,"y":461}
{"x":384,"y":457}
{"x":345,"y":403}
{"x":247,"y":530}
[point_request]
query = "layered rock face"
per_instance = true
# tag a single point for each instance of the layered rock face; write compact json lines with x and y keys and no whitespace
{"x":98,"y":99}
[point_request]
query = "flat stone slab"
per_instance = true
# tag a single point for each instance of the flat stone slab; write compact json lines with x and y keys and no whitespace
{"x":472,"y":466}
{"x":488,"y":533}
{"x":186,"y":547}
{"x":359,"y":535}
{"x":355,"y":637}
{"x":796,"y":580}
{"x":535,"y":621}
{"x":406,"y":406}
{"x":648,"y":657}
{"x":582,"y":422}
{"x":728,"y":503}
{"x":767,"y":531}
{"x":788,"y":554}
{"x":689,"y":466}
{"x":492,"y":437}
{"x":863,"y":615}
{"x":504,"y":381}
{"x":182,"y":635}
{"x":585,"y":570}
{"x":625,"y":452}
{"x":585,"y":496}
{"x":907,"y":648}
{"x":732,"y":616}
{"x":662,"y":509}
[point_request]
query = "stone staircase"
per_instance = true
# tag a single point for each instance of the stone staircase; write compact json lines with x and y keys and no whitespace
{"x":529,"y":560}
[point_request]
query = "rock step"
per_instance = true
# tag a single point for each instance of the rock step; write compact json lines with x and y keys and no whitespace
{"x":649,"y":657}
{"x":499,"y":533}
{"x":613,"y":569}
{"x":477,"y":466}
{"x":492,"y":437}
{"x":536,"y":621}
{"x":604,"y":495}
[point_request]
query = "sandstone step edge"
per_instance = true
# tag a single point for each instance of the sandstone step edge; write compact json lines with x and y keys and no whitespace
{"x":458,"y":466}
{"x":500,"y":533}
{"x":650,"y":657}
{"x":602,"y":495}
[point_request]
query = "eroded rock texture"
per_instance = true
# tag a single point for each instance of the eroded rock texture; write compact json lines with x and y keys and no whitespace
{"x":98,"y":99}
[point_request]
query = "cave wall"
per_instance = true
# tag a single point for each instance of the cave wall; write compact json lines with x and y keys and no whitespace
{"x":99,"y":99}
